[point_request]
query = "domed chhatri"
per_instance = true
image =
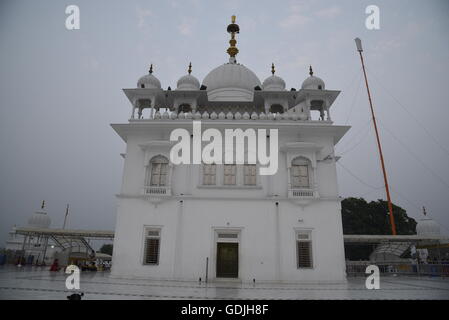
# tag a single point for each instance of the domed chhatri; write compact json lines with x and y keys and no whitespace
{"x":39,"y":219}
{"x":149,"y":81}
{"x":273,"y":83}
{"x":427,"y":226}
{"x":188,"y":82}
{"x":313,"y":82}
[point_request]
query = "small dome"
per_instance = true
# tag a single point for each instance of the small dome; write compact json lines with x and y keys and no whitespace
{"x":39,"y":219}
{"x":273,"y":83}
{"x":149,"y":81}
{"x":188,"y":82}
{"x":231,"y":82}
{"x":427,"y":227}
{"x":313,"y":82}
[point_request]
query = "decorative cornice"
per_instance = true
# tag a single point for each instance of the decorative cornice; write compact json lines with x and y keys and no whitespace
{"x":309,"y":146}
{"x":156,"y":143}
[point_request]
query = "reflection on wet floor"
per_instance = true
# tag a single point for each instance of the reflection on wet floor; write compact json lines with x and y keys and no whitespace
{"x":39,"y":283}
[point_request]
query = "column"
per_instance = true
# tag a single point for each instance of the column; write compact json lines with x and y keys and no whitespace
{"x":153,"y":103}
{"x":278,"y":244}
{"x":177,"y":259}
{"x":327,"y":109}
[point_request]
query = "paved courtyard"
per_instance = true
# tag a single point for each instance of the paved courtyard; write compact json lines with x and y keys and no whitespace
{"x":39,"y":283}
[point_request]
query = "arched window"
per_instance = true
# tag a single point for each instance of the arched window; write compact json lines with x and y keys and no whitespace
{"x":185,"y":107}
{"x":300,"y":173}
{"x":158,"y":172}
{"x":275,"y":108}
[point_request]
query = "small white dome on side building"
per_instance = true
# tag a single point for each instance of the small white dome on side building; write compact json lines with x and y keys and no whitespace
{"x":188,"y":82}
{"x":427,"y":227}
{"x":313,"y":82}
{"x":39,"y":219}
{"x":273,"y":82}
{"x":149,"y":81}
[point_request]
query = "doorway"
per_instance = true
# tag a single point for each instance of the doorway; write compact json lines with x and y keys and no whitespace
{"x":227,"y":260}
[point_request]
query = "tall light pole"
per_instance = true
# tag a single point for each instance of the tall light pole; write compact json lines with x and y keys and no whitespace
{"x":358,"y":43}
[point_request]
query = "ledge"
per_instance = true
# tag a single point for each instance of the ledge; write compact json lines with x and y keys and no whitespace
{"x":229,"y":187}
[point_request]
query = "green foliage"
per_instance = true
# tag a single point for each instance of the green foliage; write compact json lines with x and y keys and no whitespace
{"x":361,"y":217}
{"x":106,"y":248}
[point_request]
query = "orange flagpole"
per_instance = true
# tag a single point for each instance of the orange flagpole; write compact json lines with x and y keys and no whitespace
{"x":387,"y":189}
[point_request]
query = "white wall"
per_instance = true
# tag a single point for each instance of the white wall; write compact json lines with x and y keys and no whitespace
{"x":187,"y":235}
{"x":257,"y":247}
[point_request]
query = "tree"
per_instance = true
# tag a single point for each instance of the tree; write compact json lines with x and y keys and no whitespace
{"x":107,"y":248}
{"x":360,"y":217}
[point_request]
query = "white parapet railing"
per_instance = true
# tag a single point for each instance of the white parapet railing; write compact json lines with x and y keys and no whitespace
{"x":301,"y":193}
{"x":157,"y":191}
{"x":230,"y":115}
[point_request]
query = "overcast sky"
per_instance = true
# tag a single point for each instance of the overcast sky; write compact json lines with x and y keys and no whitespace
{"x":61,"y":89}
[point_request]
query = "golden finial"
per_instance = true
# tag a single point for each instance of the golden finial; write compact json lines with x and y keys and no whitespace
{"x":43,"y":204}
{"x":310,"y":71}
{"x":272,"y":69}
{"x":151,"y":69}
{"x":190,"y":68}
{"x":233,"y":28}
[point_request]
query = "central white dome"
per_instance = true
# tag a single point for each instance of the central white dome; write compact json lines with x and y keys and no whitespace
{"x":231,"y":82}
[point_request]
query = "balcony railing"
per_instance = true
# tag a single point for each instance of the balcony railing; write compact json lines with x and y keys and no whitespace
{"x":301,"y":193}
{"x":157,"y":191}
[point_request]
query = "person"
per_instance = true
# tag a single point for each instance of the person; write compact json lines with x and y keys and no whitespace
{"x":55,"y":266}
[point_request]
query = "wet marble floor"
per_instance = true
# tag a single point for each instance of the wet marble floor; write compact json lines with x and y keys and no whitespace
{"x":40,"y":284}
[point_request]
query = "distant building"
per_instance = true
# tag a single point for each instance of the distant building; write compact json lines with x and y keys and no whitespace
{"x":429,"y":251}
{"x":33,"y":248}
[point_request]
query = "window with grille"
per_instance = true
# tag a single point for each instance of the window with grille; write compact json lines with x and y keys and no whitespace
{"x":300,"y":173}
{"x":209,"y":174}
{"x":157,"y":173}
{"x":304,"y":250}
{"x":152,"y":244}
{"x":229,"y":174}
{"x":249,"y":175}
